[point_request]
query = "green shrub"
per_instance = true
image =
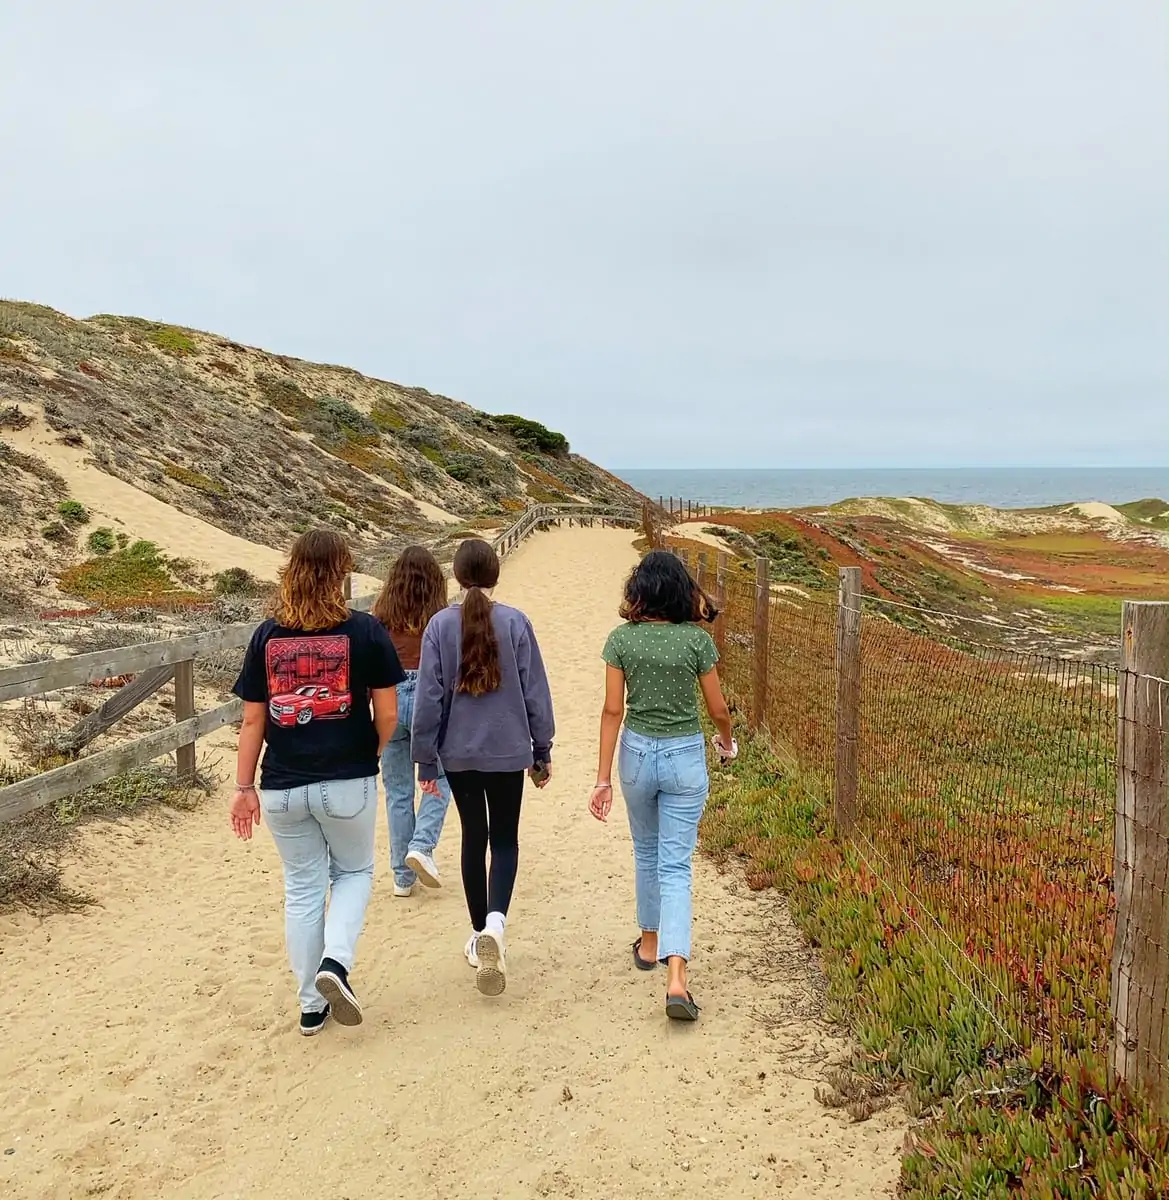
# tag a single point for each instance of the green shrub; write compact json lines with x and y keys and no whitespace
{"x":137,"y":574}
{"x":194,"y":480}
{"x":172,"y":340}
{"x":238,"y":581}
{"x":531,"y":434}
{"x":992,"y":1118}
{"x":284,"y":395}
{"x":337,"y":422}
{"x":74,"y":511}
{"x":57,"y":531}
{"x":468,"y":468}
{"x":388,"y":417}
{"x":100,"y":541}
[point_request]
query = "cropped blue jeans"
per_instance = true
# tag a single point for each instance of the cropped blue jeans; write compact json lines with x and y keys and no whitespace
{"x":665,"y":784}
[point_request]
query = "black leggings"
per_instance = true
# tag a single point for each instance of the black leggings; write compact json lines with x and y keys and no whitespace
{"x":489,"y":812}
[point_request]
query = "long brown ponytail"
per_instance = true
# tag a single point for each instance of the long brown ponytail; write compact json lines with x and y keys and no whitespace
{"x":476,"y":567}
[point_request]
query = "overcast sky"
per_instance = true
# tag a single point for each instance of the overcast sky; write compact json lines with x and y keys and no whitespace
{"x":768,"y":233}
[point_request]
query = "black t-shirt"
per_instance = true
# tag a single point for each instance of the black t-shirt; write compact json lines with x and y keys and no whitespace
{"x":316,"y":686}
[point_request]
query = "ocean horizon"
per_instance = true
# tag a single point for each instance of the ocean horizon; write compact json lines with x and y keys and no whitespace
{"x":998,"y":487}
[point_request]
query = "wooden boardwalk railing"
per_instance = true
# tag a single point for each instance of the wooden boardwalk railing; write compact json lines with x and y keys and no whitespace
{"x":155,"y":664}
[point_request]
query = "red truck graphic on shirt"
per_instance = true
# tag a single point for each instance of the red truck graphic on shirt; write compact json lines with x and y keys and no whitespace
{"x":308,"y":679}
{"x":308,"y":704}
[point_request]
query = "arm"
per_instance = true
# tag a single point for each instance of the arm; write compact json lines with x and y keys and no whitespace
{"x":385,"y":714}
{"x":383,"y":674}
{"x":712,"y":694}
{"x":245,"y":803}
{"x":611,"y":716}
{"x":537,"y":695}
{"x":429,"y":703}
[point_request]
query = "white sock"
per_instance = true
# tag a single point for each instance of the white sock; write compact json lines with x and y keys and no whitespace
{"x":495,"y":922}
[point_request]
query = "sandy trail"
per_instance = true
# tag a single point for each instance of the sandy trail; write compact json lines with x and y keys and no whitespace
{"x":152,"y":1049}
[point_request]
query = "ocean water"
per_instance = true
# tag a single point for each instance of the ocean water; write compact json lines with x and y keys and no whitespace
{"x":999,"y":487}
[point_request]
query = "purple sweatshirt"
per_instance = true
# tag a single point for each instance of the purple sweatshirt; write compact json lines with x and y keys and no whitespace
{"x":505,"y":730}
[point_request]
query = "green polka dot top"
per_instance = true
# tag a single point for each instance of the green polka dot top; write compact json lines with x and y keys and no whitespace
{"x":662,"y":665}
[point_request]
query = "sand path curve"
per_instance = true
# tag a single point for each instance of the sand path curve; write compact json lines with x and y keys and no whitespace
{"x":151,"y":1049}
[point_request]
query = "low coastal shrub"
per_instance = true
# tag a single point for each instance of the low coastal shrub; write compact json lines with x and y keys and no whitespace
{"x":993,"y":1118}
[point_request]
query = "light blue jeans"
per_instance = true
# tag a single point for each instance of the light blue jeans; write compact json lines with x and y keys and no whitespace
{"x":665,"y":785}
{"x":409,"y":831}
{"x":324,"y":832}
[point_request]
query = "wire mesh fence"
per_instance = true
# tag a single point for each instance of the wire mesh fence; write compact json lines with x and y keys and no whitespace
{"x":985,"y":785}
{"x":1023,"y":823}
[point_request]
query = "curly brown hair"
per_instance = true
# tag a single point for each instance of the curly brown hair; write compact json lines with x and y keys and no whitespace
{"x":413,"y":592}
{"x":311,"y":593}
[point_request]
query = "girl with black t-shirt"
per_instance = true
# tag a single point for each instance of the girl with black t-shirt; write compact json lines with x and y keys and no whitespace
{"x":310,"y":676}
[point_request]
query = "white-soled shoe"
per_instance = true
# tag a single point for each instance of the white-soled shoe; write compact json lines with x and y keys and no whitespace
{"x":424,"y":866}
{"x":470,"y":952}
{"x":491,"y":973}
{"x":402,"y":892}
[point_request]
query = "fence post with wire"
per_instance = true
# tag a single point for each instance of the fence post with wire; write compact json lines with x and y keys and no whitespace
{"x":1140,"y":952}
{"x":1016,"y":802}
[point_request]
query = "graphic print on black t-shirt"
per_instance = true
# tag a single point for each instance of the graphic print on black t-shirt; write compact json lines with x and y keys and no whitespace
{"x":308,"y":679}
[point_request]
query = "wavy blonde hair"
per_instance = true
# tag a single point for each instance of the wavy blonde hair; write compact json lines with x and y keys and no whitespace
{"x":311,"y":592}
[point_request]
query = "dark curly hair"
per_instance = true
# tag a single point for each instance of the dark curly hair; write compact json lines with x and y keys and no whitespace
{"x":660,"y":588}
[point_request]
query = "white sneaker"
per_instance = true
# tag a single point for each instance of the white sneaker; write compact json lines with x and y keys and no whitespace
{"x":470,"y":951}
{"x":491,"y":973}
{"x":424,"y":866}
{"x":402,"y":892}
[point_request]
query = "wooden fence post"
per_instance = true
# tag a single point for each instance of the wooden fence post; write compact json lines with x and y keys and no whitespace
{"x":347,"y":588}
{"x":1140,"y":950}
{"x":720,"y":600}
{"x":184,"y":711}
{"x":762,"y":643}
{"x":848,"y":697}
{"x":701,"y":573}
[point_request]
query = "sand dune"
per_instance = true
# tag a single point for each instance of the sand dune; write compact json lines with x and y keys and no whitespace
{"x":128,"y":509}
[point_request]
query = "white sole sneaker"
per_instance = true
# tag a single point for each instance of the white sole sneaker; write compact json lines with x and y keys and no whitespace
{"x":491,"y":974}
{"x":469,"y":951}
{"x":344,"y":1007}
{"x":401,"y":893}
{"x":425,"y":868}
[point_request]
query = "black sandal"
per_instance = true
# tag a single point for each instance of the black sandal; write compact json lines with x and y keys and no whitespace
{"x":642,"y":964}
{"x":681,"y":1008}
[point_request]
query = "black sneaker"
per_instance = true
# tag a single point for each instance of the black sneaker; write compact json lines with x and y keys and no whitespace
{"x":333,"y":984}
{"x":311,"y":1023}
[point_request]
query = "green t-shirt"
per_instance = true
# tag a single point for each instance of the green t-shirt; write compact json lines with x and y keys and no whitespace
{"x":662,"y":664}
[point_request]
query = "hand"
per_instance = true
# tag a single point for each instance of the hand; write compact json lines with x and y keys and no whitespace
{"x":725,"y":752}
{"x":601,"y":801}
{"x":245,"y":812}
{"x":430,"y":787}
{"x":541,"y":783}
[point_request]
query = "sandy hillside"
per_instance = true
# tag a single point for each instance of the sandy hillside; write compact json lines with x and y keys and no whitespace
{"x":127,"y":509}
{"x":153,"y":1051}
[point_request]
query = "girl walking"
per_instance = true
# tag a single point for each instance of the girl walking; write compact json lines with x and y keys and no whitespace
{"x":414,"y":592}
{"x":656,"y":663}
{"x":311,"y":675}
{"x":484,"y":707}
